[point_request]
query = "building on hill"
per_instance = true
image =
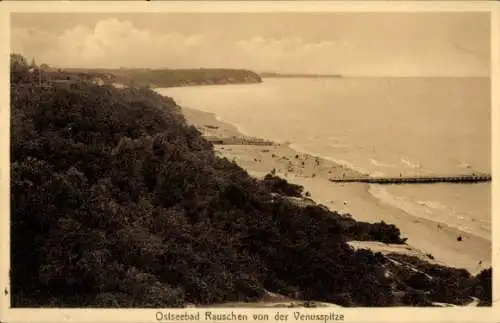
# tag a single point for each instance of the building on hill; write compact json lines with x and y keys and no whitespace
{"x":98,"y":80}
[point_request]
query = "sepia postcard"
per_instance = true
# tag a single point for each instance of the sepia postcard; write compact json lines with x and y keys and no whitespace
{"x":223,"y":161}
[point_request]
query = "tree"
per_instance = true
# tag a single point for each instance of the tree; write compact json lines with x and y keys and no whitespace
{"x":18,"y":68}
{"x":18,"y":63}
{"x":33,"y":63}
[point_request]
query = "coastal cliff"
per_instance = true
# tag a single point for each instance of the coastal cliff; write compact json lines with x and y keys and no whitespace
{"x":161,"y":78}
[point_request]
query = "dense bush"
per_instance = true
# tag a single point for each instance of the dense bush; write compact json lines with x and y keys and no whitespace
{"x":381,"y":231}
{"x":443,"y":284}
{"x":281,"y":186}
{"x":117,"y":202}
{"x":482,"y":287}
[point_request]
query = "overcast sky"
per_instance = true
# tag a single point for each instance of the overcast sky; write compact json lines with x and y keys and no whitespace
{"x":371,"y":44}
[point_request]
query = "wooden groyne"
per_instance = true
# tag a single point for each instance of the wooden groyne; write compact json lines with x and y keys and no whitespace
{"x":471,"y":178}
{"x":239,"y":141}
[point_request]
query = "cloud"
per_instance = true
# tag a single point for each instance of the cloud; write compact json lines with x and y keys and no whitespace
{"x":293,"y":47}
{"x":111,"y":43}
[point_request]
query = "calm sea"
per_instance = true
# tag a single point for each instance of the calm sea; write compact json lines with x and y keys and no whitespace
{"x":379,"y":126}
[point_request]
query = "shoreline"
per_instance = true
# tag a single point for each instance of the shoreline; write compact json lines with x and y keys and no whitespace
{"x":430,"y":240}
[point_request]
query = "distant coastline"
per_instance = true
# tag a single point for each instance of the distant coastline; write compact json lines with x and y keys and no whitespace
{"x":299,"y":75}
{"x":162,"y":78}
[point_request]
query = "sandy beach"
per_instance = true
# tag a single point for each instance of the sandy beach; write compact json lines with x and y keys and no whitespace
{"x":431,"y":240}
